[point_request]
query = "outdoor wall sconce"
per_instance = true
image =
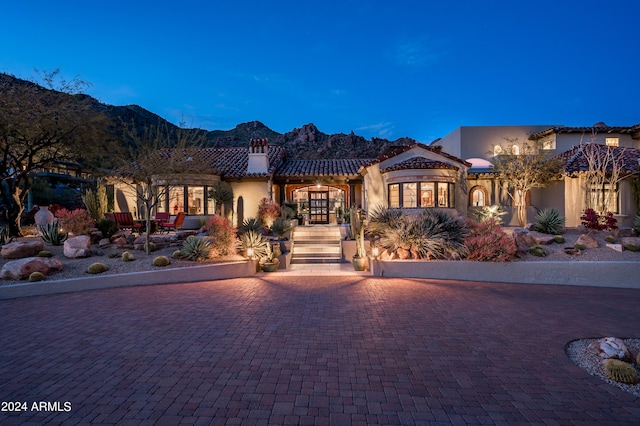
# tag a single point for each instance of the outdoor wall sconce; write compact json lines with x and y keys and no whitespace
{"x":375,"y":252}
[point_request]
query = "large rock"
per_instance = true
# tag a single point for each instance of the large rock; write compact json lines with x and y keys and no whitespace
{"x":630,"y":240}
{"x":21,"y":269}
{"x":21,"y":249}
{"x":611,"y":347}
{"x":76,"y":247}
{"x":587,"y":241}
{"x":523,"y":239}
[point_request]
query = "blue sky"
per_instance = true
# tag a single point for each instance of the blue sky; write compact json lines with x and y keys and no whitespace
{"x":378,"y":68}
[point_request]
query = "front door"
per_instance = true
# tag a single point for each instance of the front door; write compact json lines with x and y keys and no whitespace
{"x":318,"y":207}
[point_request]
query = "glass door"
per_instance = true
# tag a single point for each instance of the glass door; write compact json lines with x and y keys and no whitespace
{"x":318,"y":207}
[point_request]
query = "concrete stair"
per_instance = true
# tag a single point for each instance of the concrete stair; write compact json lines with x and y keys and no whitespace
{"x":316,"y":244}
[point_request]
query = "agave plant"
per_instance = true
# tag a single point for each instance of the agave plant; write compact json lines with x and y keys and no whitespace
{"x":280,"y":227}
{"x":251,"y":224}
{"x":253,"y":244}
{"x":484,"y":213}
{"x":636,"y":224}
{"x":195,"y":248}
{"x":4,"y":234}
{"x":51,"y":233}
{"x":549,"y":221}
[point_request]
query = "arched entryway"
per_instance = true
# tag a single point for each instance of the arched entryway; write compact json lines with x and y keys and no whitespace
{"x":320,"y":203}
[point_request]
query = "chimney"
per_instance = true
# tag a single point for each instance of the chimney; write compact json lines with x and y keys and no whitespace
{"x":258,"y":156}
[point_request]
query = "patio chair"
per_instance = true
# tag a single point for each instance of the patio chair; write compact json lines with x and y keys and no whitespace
{"x":172,"y":225}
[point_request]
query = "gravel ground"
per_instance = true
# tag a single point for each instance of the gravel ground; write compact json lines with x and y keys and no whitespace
{"x":592,"y":363}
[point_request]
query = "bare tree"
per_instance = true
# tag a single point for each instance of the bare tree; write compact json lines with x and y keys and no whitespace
{"x":605,"y":166}
{"x":523,"y":169}
{"x":156,"y":157}
{"x":38,"y":126}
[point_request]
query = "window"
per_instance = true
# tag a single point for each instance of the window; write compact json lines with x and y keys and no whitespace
{"x":478,"y":196}
{"x":497,"y":150}
{"x":603,"y":196}
{"x":394,"y":196}
{"x":411,"y":195}
{"x":515,"y":150}
{"x":549,"y":143}
{"x":612,"y":141}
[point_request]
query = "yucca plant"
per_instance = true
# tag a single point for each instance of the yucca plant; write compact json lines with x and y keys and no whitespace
{"x":549,"y":221}
{"x":251,"y":224}
{"x":253,"y":244}
{"x":195,"y":248}
{"x":484,"y":213}
{"x":51,"y":233}
{"x":382,"y":218}
{"x":4,"y":234}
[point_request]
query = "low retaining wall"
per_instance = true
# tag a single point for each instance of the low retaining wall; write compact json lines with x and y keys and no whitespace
{"x":218,"y":271}
{"x":595,"y":274}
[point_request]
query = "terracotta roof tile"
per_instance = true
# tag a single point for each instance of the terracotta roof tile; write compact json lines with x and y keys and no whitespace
{"x":396,"y":150}
{"x":574,"y":160}
{"x":330,"y":167}
{"x":419,"y":163}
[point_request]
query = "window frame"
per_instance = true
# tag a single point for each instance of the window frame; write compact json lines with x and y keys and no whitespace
{"x":399,"y":187}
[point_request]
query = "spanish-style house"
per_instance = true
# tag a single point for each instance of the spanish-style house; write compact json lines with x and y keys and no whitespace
{"x":453,"y":173}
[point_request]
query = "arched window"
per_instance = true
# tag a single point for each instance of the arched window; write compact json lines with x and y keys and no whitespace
{"x":478,"y":196}
{"x":497,"y":150}
{"x":515,"y":149}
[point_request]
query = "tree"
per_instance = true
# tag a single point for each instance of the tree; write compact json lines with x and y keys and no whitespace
{"x":523,"y":169}
{"x":156,"y":157}
{"x":38,"y":126}
{"x":605,"y":167}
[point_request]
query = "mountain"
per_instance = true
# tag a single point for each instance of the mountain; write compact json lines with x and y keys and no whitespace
{"x":306,"y":142}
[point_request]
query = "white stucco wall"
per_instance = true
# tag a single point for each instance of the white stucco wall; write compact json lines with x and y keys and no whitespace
{"x":251,"y":192}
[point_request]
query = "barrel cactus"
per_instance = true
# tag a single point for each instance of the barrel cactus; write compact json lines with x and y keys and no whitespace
{"x":45,"y":253}
{"x":36,"y":276}
{"x":177,"y":254}
{"x":620,"y":371}
{"x":537,"y":251}
{"x":128,"y":257}
{"x":161,"y":261}
{"x":97,"y":268}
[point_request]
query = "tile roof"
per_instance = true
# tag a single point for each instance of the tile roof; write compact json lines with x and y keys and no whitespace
{"x":419,"y":163}
{"x":396,"y":150}
{"x":574,"y":160}
{"x":329,"y":167}
{"x":597,"y":128}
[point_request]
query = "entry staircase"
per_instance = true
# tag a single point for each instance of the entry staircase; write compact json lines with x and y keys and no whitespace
{"x":316,"y":244}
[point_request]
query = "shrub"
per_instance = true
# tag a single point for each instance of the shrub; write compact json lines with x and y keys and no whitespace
{"x":107,"y":226}
{"x":254,"y":242}
{"x":268,"y":211}
{"x":488,"y":243}
{"x":281,"y":227}
{"x":636,"y":224}
{"x":97,"y":268}
{"x":4,"y":234}
{"x":36,"y":276}
{"x":195,"y":248}
{"x":223,"y":235}
{"x":251,"y":224}
{"x":96,"y":202}
{"x":45,"y":253}
{"x":51,"y":233}
{"x":592,"y":220}
{"x":128,"y":257}
{"x":381,"y":219}
{"x":161,"y":261}
{"x":484,"y":213}
{"x":537,"y":251}
{"x":76,"y":222}
{"x":620,"y":371}
{"x":549,"y":221}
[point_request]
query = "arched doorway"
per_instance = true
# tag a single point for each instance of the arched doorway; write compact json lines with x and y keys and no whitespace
{"x":320,"y":203}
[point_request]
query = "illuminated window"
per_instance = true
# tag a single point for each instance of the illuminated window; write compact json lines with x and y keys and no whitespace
{"x":603,"y":198}
{"x":427,"y":190}
{"x":409,"y":198}
{"x":549,"y":143}
{"x":478,"y":196}
{"x":394,"y":196}
{"x":497,"y":150}
{"x":612,"y":141}
{"x":431,"y":194}
{"x":515,"y":150}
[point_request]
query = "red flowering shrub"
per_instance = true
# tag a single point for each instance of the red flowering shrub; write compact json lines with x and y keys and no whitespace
{"x":592,"y":220}
{"x":222,"y":235}
{"x":488,"y":243}
{"x":268,"y":211}
{"x":76,"y":222}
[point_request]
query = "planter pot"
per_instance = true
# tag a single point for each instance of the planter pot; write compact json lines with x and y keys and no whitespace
{"x":359,"y":263}
{"x":270,"y":266}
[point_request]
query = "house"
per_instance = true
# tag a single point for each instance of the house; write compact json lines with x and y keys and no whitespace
{"x":453,"y":173}
{"x":480,"y":144}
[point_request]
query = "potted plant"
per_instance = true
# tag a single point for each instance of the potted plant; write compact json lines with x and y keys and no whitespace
{"x":270,"y":262}
{"x":359,"y":260}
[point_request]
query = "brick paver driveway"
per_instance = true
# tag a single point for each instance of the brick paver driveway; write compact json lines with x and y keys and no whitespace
{"x":314,"y":350}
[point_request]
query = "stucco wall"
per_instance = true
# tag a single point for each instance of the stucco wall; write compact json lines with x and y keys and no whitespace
{"x":251,"y":192}
{"x":566,"y":141}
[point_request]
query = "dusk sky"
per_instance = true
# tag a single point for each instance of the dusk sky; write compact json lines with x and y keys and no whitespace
{"x":378,"y":68}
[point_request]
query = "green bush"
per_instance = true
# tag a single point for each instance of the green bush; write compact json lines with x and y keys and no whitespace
{"x":195,"y":248}
{"x":107,"y":227}
{"x":620,"y":371}
{"x":161,"y":261}
{"x":36,"y":276}
{"x":45,"y":253}
{"x":51,"y":234}
{"x":549,"y":221}
{"x":97,"y":268}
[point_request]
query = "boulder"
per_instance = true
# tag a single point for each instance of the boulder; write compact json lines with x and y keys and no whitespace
{"x":21,"y":269}
{"x":611,"y":347}
{"x":523,"y":239}
{"x":403,"y":254}
{"x":587,"y":241}
{"x":76,"y":247}
{"x":630,"y":240}
{"x":22,"y":249}
{"x":544,"y":240}
{"x":104,"y":242}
